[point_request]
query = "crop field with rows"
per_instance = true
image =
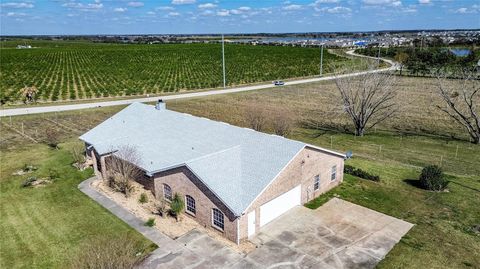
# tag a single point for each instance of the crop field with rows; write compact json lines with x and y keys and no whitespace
{"x":63,"y":70}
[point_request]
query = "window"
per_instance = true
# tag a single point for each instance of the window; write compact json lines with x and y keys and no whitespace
{"x":334,"y":173}
{"x":316,"y":183}
{"x":217,"y":218}
{"x":190,"y":204}
{"x":167,"y":192}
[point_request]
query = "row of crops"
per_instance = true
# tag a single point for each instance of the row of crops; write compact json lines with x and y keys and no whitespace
{"x":87,"y":70}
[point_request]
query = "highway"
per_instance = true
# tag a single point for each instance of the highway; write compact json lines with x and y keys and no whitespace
{"x":68,"y":107}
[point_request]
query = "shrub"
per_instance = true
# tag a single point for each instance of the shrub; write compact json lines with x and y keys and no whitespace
{"x":53,"y":173}
{"x":52,"y":138}
{"x":150,"y":222}
{"x":119,"y":183}
{"x":161,"y":208}
{"x":176,"y":206}
{"x":28,"y":182}
{"x":143,"y":198}
{"x":432,"y":178}
{"x":348,"y":169}
{"x":78,"y":153}
{"x":27,"y":168}
{"x":120,"y":252}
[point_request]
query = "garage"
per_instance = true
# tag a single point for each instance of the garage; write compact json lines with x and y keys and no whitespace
{"x":276,"y":207}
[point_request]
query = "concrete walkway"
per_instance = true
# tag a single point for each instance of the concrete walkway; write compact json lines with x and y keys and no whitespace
{"x":151,"y":233}
{"x":58,"y":108}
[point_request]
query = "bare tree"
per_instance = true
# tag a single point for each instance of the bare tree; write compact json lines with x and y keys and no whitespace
{"x":368,"y":98}
{"x":282,"y":123}
{"x":256,"y":116}
{"x":461,"y":102}
{"x":123,"y":167}
{"x":52,"y":137}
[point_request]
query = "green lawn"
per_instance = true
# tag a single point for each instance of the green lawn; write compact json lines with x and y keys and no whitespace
{"x":46,"y":227}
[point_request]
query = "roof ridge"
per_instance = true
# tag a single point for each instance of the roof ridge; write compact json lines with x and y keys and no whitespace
{"x":211,"y":154}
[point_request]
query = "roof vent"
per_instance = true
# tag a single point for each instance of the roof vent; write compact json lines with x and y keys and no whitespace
{"x":160,"y":105}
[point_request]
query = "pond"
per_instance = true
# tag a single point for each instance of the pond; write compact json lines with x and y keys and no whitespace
{"x":460,"y":52}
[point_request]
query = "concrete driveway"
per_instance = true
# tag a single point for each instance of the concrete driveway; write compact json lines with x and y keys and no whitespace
{"x":339,"y":234}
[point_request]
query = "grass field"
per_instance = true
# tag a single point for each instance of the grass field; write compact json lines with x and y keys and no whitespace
{"x":64,"y":70}
{"x":46,"y":227}
{"x":443,"y":235}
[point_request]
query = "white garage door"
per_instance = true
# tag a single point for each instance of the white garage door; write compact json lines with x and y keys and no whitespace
{"x":280,"y":205}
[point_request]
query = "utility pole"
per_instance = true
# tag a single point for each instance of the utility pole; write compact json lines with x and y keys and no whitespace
{"x":378,"y":55}
{"x":321,"y":60}
{"x":223,"y":61}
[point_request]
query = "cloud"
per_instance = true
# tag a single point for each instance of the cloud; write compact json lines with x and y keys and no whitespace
{"x":240,"y":10}
{"x":151,"y":13}
{"x":135,"y":4}
{"x":339,"y":10}
{"x":317,"y":5}
{"x":463,"y":10}
{"x":223,"y":13}
{"x":16,"y":14}
{"x":165,"y":8}
{"x":207,"y":6}
{"x":16,"y":5}
{"x":424,"y":2}
{"x":292,"y":7}
{"x":120,"y":9}
{"x":326,"y":2}
{"x":183,"y":2}
{"x":394,"y":3}
{"x":409,"y":10}
{"x":83,"y":7}
{"x":173,"y":14}
{"x":207,"y":12}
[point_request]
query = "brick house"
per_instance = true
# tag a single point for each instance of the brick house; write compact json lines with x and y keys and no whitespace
{"x":233,"y":180}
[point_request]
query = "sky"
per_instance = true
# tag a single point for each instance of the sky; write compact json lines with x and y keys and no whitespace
{"x":82,"y":17}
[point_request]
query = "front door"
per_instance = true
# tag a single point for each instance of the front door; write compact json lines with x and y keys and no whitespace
{"x":251,"y":223}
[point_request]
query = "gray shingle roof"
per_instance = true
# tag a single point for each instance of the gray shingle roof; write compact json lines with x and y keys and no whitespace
{"x":235,"y":163}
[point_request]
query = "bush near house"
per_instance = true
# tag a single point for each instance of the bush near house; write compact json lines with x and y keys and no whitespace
{"x":432,"y":178}
{"x":176,"y":206}
{"x":150,"y":222}
{"x":348,"y":169}
{"x":143,"y":198}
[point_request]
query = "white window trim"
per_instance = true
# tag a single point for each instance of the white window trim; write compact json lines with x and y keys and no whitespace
{"x":186,"y":205}
{"x":213,"y":222}
{"x":332,"y":173}
{"x":315,"y":182}
{"x":164,"y":193}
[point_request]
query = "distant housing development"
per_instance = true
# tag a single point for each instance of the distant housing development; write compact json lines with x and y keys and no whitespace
{"x":234,"y":180}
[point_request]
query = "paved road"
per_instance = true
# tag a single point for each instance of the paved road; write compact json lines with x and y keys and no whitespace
{"x":58,"y":108}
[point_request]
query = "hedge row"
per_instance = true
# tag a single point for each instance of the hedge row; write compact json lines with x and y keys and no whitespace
{"x":348,"y":169}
